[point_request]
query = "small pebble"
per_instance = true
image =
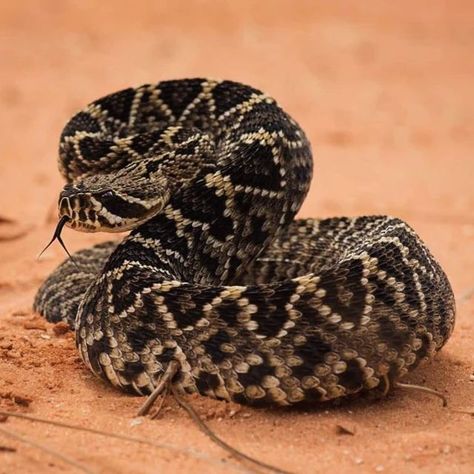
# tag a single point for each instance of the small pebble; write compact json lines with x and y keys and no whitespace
{"x":358,"y":460}
{"x":379,"y":468}
{"x":40,"y":325}
{"x":446,"y":449}
{"x":13,"y":354}
{"x":136,"y":421}
{"x":60,"y":328}
{"x":345,"y":429}
{"x":22,"y":400}
{"x":471,"y":378}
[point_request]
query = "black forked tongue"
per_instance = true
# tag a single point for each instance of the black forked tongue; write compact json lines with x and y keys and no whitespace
{"x":57,"y":236}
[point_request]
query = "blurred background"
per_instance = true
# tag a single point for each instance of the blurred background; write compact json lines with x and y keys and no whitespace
{"x":383,"y":90}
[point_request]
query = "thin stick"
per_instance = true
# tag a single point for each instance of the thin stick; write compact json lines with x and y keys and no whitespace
{"x":170,"y":372}
{"x":208,"y":432}
{"x":464,"y":412}
{"x":155,"y":413}
{"x":134,"y":439}
{"x":420,"y":388}
{"x":46,"y":449}
{"x":7,"y":449}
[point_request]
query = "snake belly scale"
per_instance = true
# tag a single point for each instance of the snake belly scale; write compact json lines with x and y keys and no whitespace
{"x":256,"y":306}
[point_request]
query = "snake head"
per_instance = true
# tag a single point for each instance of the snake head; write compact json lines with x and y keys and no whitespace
{"x":114,"y":202}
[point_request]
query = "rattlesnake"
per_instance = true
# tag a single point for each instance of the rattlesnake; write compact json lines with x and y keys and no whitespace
{"x":255,"y":306}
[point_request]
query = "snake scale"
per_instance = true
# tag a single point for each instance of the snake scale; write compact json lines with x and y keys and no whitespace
{"x":256,"y":306}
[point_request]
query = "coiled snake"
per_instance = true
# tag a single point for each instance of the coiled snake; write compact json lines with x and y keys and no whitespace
{"x":216,"y":274}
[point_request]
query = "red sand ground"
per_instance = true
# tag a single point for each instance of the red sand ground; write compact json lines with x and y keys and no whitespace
{"x":384,"y":91}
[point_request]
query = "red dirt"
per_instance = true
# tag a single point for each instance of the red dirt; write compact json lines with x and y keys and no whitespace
{"x":384,"y":91}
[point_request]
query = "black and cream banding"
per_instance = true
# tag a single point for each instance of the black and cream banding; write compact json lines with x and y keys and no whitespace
{"x":256,"y":307}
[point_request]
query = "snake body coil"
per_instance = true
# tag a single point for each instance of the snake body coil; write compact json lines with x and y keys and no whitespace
{"x":216,"y":274}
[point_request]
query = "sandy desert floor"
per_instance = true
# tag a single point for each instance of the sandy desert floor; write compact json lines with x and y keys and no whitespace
{"x":384,"y":91}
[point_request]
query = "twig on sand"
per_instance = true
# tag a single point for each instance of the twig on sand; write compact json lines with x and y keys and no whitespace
{"x":164,"y":385}
{"x":156,"y":412}
{"x":165,"y":380}
{"x":7,"y":449}
{"x":420,"y":388}
{"x":208,"y":432}
{"x":462,"y":411}
{"x":135,"y":439}
{"x":46,"y":449}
